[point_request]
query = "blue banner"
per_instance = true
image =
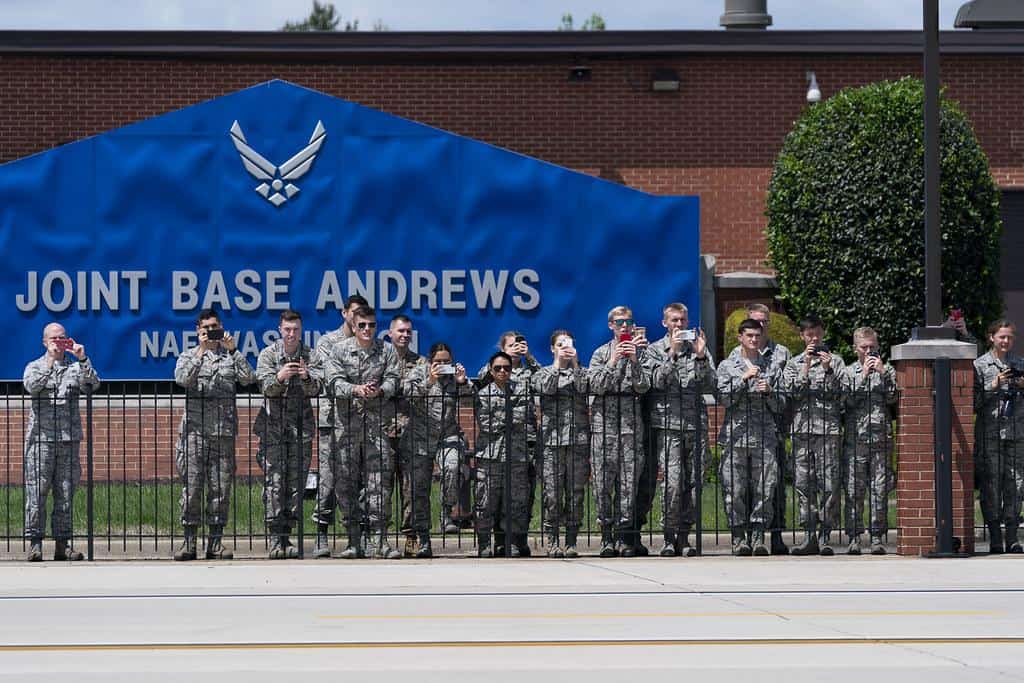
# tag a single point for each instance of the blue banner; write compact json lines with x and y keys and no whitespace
{"x":278,"y":196}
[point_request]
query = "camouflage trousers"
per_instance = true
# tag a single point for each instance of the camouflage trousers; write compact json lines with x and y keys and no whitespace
{"x":617,"y":461}
{"x":867,"y":473}
{"x":490,"y":495}
{"x":359,"y":475}
{"x":417,"y":473}
{"x":456,"y":479}
{"x":749,"y":475}
{"x":999,"y":472}
{"x":403,"y":481}
{"x":205,"y":462}
{"x":674,"y":452}
{"x":284,"y":468}
{"x":817,"y":479}
{"x":564,"y":474}
{"x":50,"y":465}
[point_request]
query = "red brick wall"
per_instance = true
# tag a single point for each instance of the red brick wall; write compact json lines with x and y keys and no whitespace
{"x":716,"y":138}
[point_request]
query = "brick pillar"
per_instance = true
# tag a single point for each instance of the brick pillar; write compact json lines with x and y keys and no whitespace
{"x":915,"y":443}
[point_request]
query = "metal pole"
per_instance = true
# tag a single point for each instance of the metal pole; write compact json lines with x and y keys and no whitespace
{"x":943,"y":460}
{"x":932,"y":234}
{"x":88,"y":474}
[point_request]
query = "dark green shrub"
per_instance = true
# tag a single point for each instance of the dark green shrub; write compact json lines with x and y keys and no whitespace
{"x":846,"y":215}
{"x":780,"y":328}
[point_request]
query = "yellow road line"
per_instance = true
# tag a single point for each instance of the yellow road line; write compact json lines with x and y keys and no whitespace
{"x":667,"y":615}
{"x":130,"y":647}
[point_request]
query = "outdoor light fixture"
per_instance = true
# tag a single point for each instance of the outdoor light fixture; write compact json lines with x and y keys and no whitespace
{"x":665,"y":80}
{"x":579,"y":74}
{"x":813,"y":92}
{"x":997,"y":14}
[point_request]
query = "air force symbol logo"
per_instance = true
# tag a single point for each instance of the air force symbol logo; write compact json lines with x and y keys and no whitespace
{"x":276,"y":178}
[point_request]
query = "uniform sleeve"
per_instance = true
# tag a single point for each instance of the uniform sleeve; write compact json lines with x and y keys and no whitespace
{"x":793,"y":377}
{"x":244,"y":374}
{"x":979,"y":388}
{"x":36,"y":377}
{"x":335,"y":375}
{"x":661,"y":367}
{"x":314,"y":381}
{"x":415,"y":383}
{"x":390,"y":382}
{"x":891,"y":387}
{"x":186,"y":370}
{"x":602,"y":376}
{"x":545,"y":380}
{"x":266,"y":373}
{"x":640,"y":378}
{"x":88,"y":380}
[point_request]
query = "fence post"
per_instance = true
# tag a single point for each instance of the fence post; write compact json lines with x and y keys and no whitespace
{"x":89,"y":453}
{"x":919,"y":446}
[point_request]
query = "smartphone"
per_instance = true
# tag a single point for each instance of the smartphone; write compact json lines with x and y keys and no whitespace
{"x":215,"y":335}
{"x":446,"y":369}
{"x":65,"y":344}
{"x":625,"y":336}
{"x":689,"y":335}
{"x":565,"y":343}
{"x":520,"y":339}
{"x":640,"y":331}
{"x":956,"y":314}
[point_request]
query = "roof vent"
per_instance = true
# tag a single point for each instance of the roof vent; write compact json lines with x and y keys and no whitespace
{"x":747,"y":14}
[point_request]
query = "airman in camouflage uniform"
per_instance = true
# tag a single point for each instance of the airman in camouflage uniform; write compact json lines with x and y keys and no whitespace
{"x":618,"y":382}
{"x":360,"y":374}
{"x":503,"y":409}
{"x":288,"y":377}
{"x":396,"y":419}
{"x":999,"y":437}
{"x":52,"y":439}
{"x":871,"y":393}
{"x":813,"y":381}
{"x":205,"y":453}
{"x":565,"y":431}
{"x":681,"y":372}
{"x":327,"y":448}
{"x":432,"y":431}
{"x":747,"y":389}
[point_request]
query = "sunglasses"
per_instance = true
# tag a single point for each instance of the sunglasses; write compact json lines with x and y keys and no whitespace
{"x":619,"y":322}
{"x":363,"y":326}
{"x":501,"y":368}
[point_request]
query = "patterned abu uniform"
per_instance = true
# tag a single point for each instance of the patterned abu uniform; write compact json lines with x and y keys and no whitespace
{"x":364,"y":458}
{"x":327,"y":447}
{"x":998,"y":442}
{"x":52,"y":439}
{"x":677,"y":422}
{"x":283,"y":454}
{"x":501,"y":449}
{"x":867,"y":446}
{"x":433,"y":432}
{"x":565,"y":432}
{"x":616,"y":428}
{"x":749,"y":438}
{"x":816,"y":406}
{"x":205,"y":453}
{"x":395,"y":421}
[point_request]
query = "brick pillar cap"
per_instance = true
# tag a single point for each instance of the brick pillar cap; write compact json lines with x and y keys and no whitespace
{"x":930,"y":349}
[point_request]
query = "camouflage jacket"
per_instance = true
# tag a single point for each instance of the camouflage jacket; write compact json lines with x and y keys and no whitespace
{"x":677,"y":385}
{"x":397,"y":409}
{"x":616,"y":392}
{"x":324,"y":347}
{"x":210,"y":380}
{"x":815,"y":400}
{"x":869,"y":402}
{"x":278,"y":419}
{"x":501,"y":422}
{"x":999,"y":412}
{"x":749,"y":414}
{"x":434,"y":411}
{"x":54,"y":392}
{"x":522,"y":374}
{"x":350,"y":365}
{"x":563,"y":405}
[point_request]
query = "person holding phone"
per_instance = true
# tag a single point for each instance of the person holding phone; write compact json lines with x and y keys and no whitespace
{"x":205,"y":452}
{"x":682,"y":371}
{"x":870,"y":390}
{"x":53,"y":438}
{"x":289,"y":377}
{"x":618,"y":381}
{"x":747,"y":389}
{"x":434,"y":390}
{"x":565,"y":430}
{"x":361,"y":374}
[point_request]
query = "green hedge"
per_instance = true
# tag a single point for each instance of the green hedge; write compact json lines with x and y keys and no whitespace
{"x":780,"y":328}
{"x":846,"y":215}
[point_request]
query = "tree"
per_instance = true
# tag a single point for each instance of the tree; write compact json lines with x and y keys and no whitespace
{"x":594,"y":23}
{"x":323,"y":18}
{"x":846,"y":215}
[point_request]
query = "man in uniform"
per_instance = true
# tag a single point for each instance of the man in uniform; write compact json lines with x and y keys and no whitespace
{"x":361,"y":374}
{"x":205,"y":454}
{"x":327,"y":449}
{"x":618,"y":382}
{"x":812,"y":382}
{"x":400,"y":332}
{"x":748,"y":437}
{"x":288,"y":379}
{"x":681,"y":372}
{"x":52,"y":438}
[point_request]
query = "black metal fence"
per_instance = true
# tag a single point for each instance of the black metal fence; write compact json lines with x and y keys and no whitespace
{"x":578,"y":466}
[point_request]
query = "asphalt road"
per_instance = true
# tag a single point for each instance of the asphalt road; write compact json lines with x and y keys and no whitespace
{"x":452,"y":620}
